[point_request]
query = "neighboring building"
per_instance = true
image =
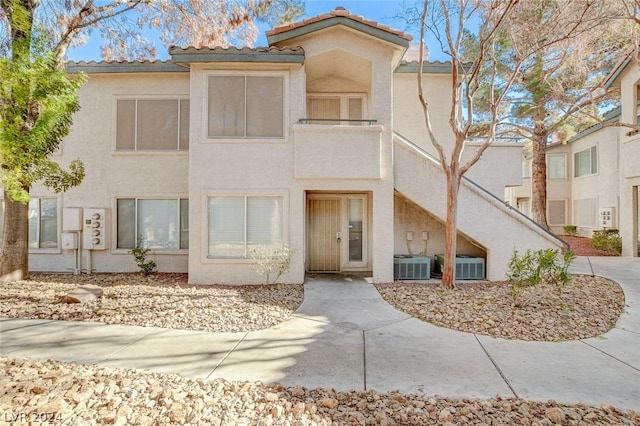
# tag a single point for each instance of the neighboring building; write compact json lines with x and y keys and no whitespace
{"x":317,"y":142}
{"x":593,"y":179}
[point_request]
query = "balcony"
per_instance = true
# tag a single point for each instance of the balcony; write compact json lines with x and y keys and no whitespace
{"x":336,"y":151}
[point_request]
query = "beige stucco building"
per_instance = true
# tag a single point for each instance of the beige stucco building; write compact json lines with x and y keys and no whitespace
{"x":593,"y":179}
{"x":316,"y":142}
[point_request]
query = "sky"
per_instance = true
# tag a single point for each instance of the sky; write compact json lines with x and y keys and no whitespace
{"x":382,"y":11}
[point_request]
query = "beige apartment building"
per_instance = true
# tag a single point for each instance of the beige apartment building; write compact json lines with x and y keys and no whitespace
{"x":316,"y":141}
{"x":593,"y":179}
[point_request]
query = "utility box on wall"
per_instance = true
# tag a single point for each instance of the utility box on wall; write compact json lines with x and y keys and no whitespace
{"x":606,"y":217}
{"x":72,"y":219}
{"x":95,"y":229}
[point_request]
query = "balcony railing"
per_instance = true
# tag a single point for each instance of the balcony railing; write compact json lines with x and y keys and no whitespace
{"x":368,"y":121}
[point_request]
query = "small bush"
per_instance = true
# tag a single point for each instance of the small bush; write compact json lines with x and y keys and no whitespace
{"x":271,"y":261}
{"x":535,"y":267}
{"x":140,"y":253}
{"x":608,"y":240}
{"x":571,"y":230}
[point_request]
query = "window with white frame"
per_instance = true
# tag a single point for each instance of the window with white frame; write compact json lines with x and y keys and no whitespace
{"x":556,"y":166}
{"x":526,"y":169}
{"x":43,"y":223}
{"x":245,"y":106}
{"x":584,"y":212}
{"x":332,"y":108}
{"x":152,"y":125}
{"x":161,"y":224}
{"x":557,"y":212}
{"x":238,"y":224}
{"x":586,"y":162}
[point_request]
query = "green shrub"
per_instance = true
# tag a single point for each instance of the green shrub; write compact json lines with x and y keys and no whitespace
{"x":535,"y":267}
{"x":571,"y":230}
{"x":608,"y":240}
{"x":140,"y":253}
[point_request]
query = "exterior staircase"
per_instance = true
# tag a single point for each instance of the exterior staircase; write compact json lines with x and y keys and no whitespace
{"x":482,"y":216}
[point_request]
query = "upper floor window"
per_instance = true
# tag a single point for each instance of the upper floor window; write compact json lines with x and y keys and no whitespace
{"x":43,"y":223}
{"x":526,"y":169}
{"x":331,"y":109}
{"x":245,"y":106}
{"x":556,"y":166}
{"x":152,"y":125}
{"x":162,"y":224}
{"x":586,"y":162}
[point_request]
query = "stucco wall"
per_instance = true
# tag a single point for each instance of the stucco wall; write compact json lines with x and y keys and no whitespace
{"x":427,"y":232}
{"x":498,"y":167}
{"x":602,"y":186}
{"x":629,"y":165}
{"x":268,"y":166}
{"x":110,"y":174}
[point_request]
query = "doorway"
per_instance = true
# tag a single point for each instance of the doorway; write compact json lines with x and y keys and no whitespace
{"x":337,"y":232}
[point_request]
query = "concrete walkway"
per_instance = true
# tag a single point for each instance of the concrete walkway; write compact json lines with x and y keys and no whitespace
{"x":345,"y":336}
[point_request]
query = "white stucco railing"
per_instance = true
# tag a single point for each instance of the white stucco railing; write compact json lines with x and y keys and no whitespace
{"x":337,"y":152}
{"x":481,"y":215}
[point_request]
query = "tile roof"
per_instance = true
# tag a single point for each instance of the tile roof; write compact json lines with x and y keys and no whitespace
{"x":97,"y":67}
{"x":234,"y":54}
{"x":338,"y":12}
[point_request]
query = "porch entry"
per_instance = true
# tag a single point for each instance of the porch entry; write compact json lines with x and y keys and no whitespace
{"x":336,"y":232}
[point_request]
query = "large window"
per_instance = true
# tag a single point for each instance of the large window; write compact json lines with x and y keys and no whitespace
{"x":162,"y":224}
{"x":557,"y":212}
{"x":584,"y":212}
{"x":586,"y":162}
{"x":245,"y":106}
{"x":152,"y":125}
{"x":238,"y":224}
{"x":43,"y":223}
{"x":556,"y":166}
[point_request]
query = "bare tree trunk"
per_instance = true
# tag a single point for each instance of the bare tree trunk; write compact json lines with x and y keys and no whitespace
{"x":539,"y":180}
{"x":451,"y":231}
{"x":14,"y":259}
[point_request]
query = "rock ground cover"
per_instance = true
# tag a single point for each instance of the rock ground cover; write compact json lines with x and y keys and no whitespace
{"x":587,"y":307}
{"x":158,"y":300}
{"x":82,"y":395}
{"x":581,"y":246}
{"x":74,"y":394}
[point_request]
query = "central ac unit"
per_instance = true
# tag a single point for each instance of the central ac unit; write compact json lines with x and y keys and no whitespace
{"x":467,"y":267}
{"x":408,"y":267}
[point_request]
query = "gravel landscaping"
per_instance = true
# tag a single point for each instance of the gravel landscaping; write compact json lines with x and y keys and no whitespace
{"x":587,"y":307}
{"x":74,"y":394}
{"x":157,"y":300}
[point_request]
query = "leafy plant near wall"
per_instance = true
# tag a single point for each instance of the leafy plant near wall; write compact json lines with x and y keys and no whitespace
{"x":140,"y":253}
{"x":269,"y":261}
{"x":608,"y":240}
{"x":536,"y":267}
{"x":571,"y":230}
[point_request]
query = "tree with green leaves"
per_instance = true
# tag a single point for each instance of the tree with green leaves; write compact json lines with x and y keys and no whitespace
{"x":560,"y":53}
{"x":38,"y":99}
{"x":504,"y":54}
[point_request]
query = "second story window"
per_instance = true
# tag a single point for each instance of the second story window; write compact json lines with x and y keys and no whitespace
{"x":331,"y":109}
{"x":152,"y":125}
{"x":245,"y":106}
{"x":556,"y":166}
{"x":586,"y":162}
